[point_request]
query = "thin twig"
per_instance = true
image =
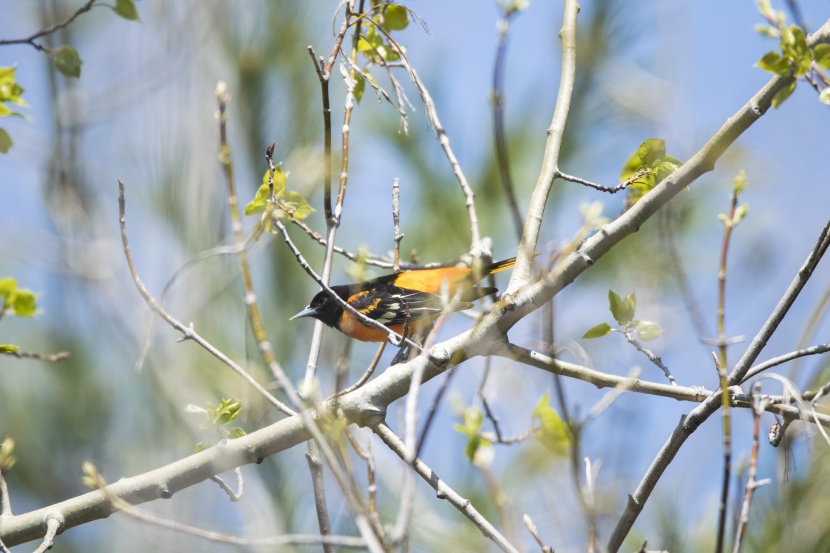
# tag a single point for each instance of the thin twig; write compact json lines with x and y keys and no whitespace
{"x":49,"y":30}
{"x":350,"y":542}
{"x":234,"y":496}
{"x":444,"y":140}
{"x":727,"y":453}
{"x":728,"y":224}
{"x":436,"y":402}
{"x":148,"y":338}
{"x":396,"y":221}
{"x":443,"y":491}
{"x":48,"y":357}
{"x":497,"y":95}
{"x":53,"y":526}
{"x":751,"y":483}
{"x":610,"y":189}
{"x":226,"y":159}
{"x":550,"y":161}
{"x":394,"y":338}
{"x":352,"y":502}
{"x":369,"y":371}
{"x":535,"y":533}
{"x":699,"y":414}
{"x":368,"y":259}
{"x":816,"y":316}
{"x":5,"y":500}
{"x":315,"y":466}
{"x":695,"y":394}
{"x":188,"y":333}
{"x":653,"y":357}
{"x":775,"y":361}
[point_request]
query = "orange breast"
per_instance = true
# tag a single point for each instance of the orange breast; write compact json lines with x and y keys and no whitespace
{"x":350,"y":326}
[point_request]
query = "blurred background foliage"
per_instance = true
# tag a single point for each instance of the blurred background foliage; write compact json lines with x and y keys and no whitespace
{"x":143,"y":111}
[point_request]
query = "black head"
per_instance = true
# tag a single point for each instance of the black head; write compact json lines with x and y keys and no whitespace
{"x":323,"y":307}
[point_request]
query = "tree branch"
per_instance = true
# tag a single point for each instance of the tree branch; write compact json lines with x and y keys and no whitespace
{"x":550,"y":161}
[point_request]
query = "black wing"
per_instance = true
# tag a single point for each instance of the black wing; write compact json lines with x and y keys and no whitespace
{"x":393,"y":305}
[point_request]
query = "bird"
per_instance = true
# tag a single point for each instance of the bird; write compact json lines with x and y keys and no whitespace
{"x":409,"y":299}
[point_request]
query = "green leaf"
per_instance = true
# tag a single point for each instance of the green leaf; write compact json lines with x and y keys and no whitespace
{"x":395,"y":18}
{"x":767,"y":30}
{"x":5,"y":141}
{"x":795,"y":48}
{"x":783,"y":94}
{"x":8,"y":348}
{"x":622,"y":309}
{"x":364,"y":45}
{"x":473,"y":419}
{"x":615,"y":305}
{"x":8,"y":286}
{"x":651,"y":151}
{"x":774,"y":63}
{"x":388,"y":53}
{"x":648,"y":330}
{"x":235,"y":433}
{"x":740,"y":213}
{"x":67,"y":61}
{"x":126,"y":9}
{"x":10,"y":91}
{"x":359,"y":87}
{"x":602,"y":329}
{"x":260,"y":201}
{"x":7,"y":458}
{"x":369,"y":43}
{"x":227,"y":411}
{"x":296,"y":206}
{"x":664,"y":169}
{"x":552,"y":431}
{"x":24,"y":303}
{"x":739,"y":183}
{"x":631,"y":167}
{"x":473,"y":444}
{"x":201,"y":446}
{"x":823,"y":97}
{"x":821,"y":54}
{"x":257,"y":205}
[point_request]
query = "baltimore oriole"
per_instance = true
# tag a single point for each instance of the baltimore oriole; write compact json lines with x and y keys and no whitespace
{"x":408,"y":298}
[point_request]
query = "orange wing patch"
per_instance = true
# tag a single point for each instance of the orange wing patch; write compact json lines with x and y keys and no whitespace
{"x":429,"y":280}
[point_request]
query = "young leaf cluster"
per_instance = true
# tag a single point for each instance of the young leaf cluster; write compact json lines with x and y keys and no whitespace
{"x":623,"y":311}
{"x":16,"y":301}
{"x":10,"y":93}
{"x":795,"y":57}
{"x":652,"y":159}
{"x":549,"y":428}
{"x":7,"y":458}
{"x":473,"y":420}
{"x":219,"y":418}
{"x":288,"y":203}
{"x":373,"y":42}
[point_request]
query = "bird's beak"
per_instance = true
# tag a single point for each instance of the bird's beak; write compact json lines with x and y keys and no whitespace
{"x":307,"y":312}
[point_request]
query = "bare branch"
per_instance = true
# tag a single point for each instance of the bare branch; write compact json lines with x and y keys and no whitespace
{"x":610,"y":189}
{"x":775,"y":361}
{"x":49,"y":30}
{"x":497,"y":96}
{"x":48,"y":357}
{"x":653,"y":357}
{"x":443,"y":491}
{"x":188,"y":333}
{"x":550,"y":161}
